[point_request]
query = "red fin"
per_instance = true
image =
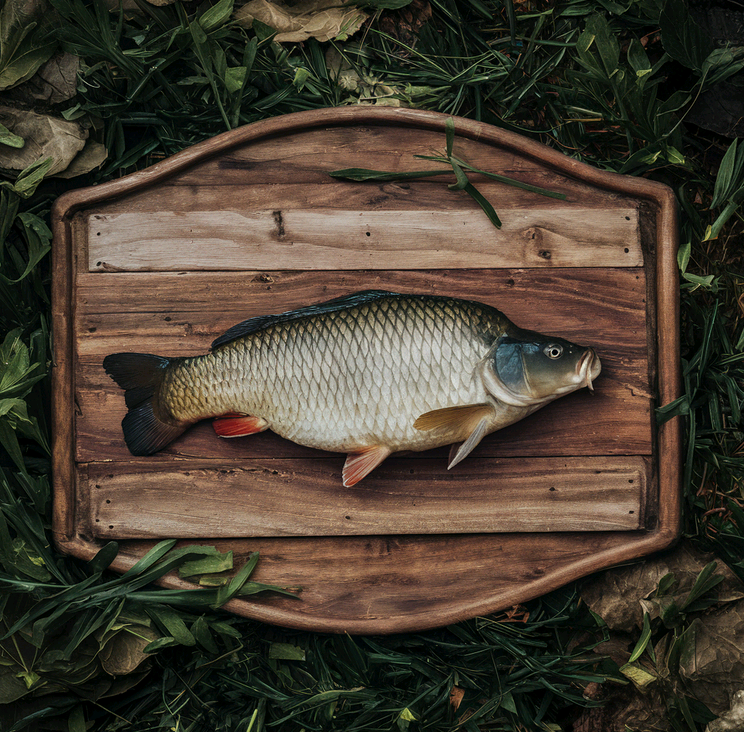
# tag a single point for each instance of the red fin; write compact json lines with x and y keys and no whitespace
{"x":239,"y":425}
{"x":364,"y":461}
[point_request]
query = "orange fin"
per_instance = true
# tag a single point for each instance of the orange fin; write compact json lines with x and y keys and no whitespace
{"x":464,"y":418}
{"x":239,"y":425}
{"x":363,"y":461}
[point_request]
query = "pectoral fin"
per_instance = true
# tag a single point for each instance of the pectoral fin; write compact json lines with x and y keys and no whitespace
{"x":470,"y":444}
{"x":462,"y":419}
{"x":239,"y":425}
{"x":467,"y":419}
{"x":362,"y":462}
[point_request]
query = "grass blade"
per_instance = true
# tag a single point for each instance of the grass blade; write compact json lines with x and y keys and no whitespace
{"x":483,"y":202}
{"x":364,"y":174}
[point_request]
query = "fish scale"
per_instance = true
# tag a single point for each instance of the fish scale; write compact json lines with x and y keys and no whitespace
{"x":369,"y":374}
{"x":348,"y":359}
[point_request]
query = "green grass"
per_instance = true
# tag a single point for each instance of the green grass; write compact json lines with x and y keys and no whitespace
{"x":607,"y":82}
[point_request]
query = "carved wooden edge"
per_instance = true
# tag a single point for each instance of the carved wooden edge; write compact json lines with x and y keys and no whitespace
{"x":635,"y":546}
{"x":669,"y":434}
{"x":63,"y":397}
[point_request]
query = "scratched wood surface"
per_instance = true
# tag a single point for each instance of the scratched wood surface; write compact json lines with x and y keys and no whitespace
{"x":165,"y":263}
{"x":249,"y":498}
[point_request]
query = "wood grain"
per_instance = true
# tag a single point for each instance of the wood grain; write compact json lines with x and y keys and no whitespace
{"x":329,"y":239}
{"x":401,"y":584}
{"x":185,"y":311}
{"x":385,"y":583}
{"x":429,"y":194}
{"x":119,"y":312}
{"x":306,"y":156}
{"x":615,"y":420}
{"x":191,"y":499}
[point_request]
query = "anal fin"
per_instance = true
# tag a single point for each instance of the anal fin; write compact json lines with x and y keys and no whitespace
{"x":239,"y":425}
{"x":362,"y":462}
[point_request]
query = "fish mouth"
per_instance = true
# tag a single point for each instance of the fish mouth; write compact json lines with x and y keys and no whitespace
{"x":588,"y":368}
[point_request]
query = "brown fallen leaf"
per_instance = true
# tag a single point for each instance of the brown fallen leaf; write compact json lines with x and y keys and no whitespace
{"x":616,"y":595}
{"x":403,"y":24}
{"x":54,"y":82}
{"x":44,"y":136}
{"x":122,"y":653}
{"x":456,"y":696}
{"x":626,"y":709}
{"x":92,"y":156}
{"x":323,"y":20}
{"x":712,"y":659}
{"x":731,"y":720}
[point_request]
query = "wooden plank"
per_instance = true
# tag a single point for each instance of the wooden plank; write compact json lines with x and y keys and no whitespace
{"x":196,"y":498}
{"x":428,"y":194}
{"x":329,"y":239}
{"x":187,"y":310}
{"x":306,"y":156}
{"x":386,"y":584}
{"x":117,"y":312}
{"x":615,"y":420}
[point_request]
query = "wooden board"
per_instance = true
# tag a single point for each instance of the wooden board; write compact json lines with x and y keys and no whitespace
{"x":250,"y":223}
{"x":249,"y":498}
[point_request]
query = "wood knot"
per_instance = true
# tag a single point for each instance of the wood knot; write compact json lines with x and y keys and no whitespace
{"x":279,"y":230}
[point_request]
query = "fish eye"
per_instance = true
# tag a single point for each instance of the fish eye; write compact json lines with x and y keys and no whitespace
{"x":554,"y":350}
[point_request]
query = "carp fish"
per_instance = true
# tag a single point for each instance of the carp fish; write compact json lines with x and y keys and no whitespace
{"x":368,"y":374}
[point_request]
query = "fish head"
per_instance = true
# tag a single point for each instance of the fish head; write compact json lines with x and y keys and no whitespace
{"x":525,"y":368}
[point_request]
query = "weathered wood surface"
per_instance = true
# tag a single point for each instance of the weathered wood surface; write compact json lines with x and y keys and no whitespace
{"x":189,"y":309}
{"x":120,"y":312}
{"x":371,"y":584}
{"x":248,"y":498}
{"x":299,"y":239}
{"x":136,"y":280}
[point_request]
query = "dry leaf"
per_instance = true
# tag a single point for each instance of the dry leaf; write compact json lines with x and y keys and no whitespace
{"x":456,"y":696}
{"x":617,"y":593}
{"x":404,"y":23}
{"x":618,"y":648}
{"x":54,"y":82}
{"x":122,"y":653}
{"x":44,"y":136}
{"x":92,"y":156}
{"x":733,"y":719}
{"x":324,"y":20}
{"x":712,"y":659}
{"x":626,"y":709}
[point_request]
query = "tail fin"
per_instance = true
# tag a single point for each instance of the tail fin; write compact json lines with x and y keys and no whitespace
{"x":140,"y":375}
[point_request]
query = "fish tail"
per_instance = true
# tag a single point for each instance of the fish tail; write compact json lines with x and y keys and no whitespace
{"x":140,"y":375}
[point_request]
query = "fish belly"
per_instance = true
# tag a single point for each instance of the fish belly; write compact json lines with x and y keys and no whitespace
{"x":343,"y":380}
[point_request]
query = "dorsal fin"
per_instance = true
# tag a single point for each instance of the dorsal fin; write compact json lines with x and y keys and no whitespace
{"x":253,"y":325}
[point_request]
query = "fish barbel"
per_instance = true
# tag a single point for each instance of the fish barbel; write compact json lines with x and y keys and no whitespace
{"x":368,"y":374}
